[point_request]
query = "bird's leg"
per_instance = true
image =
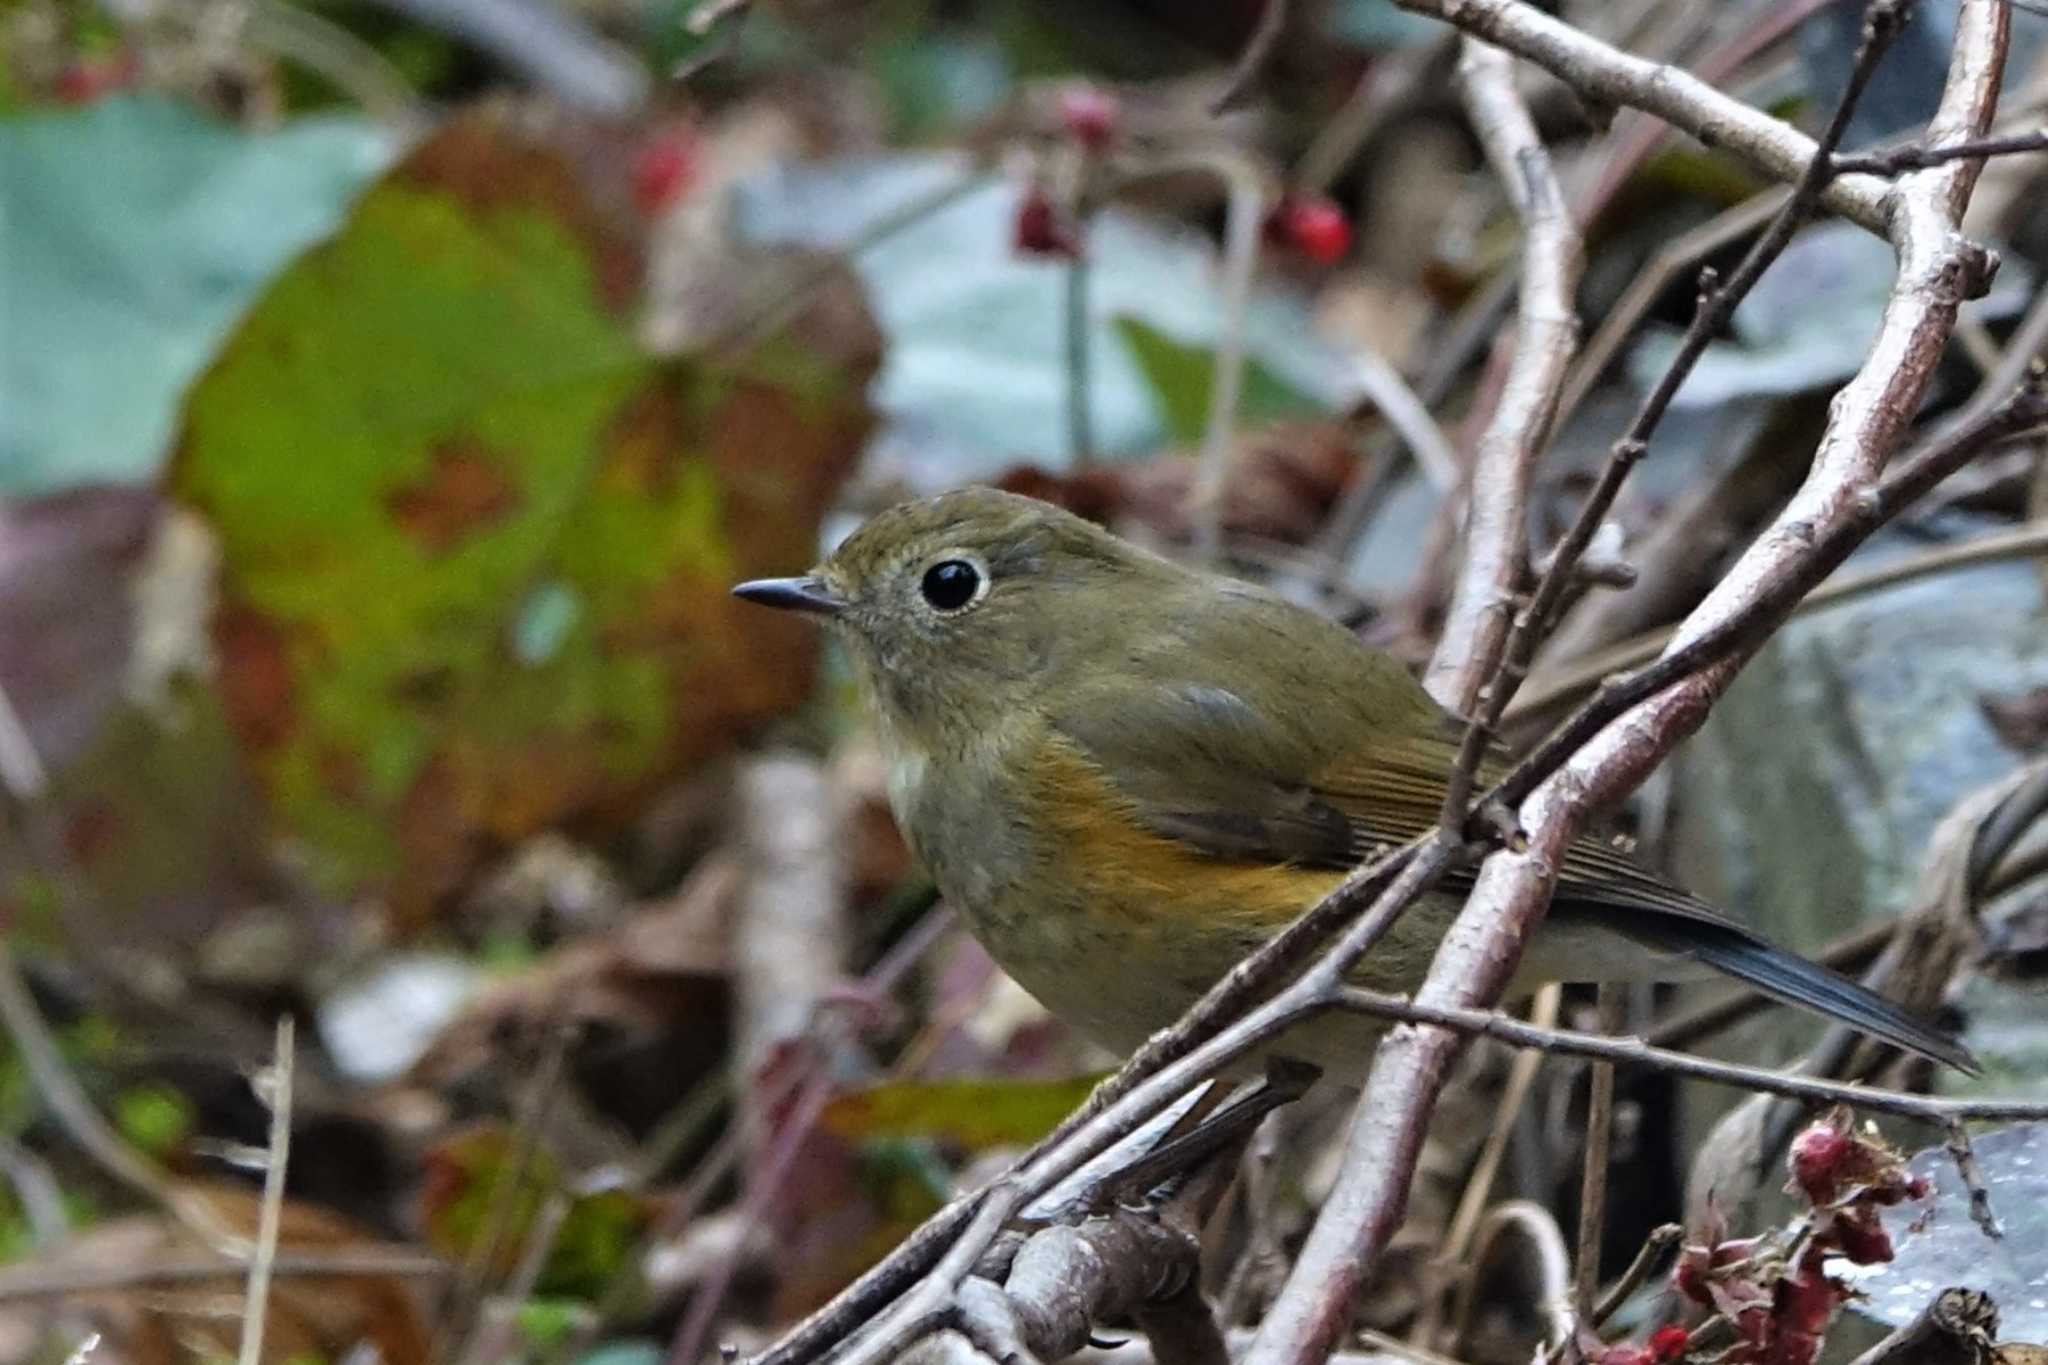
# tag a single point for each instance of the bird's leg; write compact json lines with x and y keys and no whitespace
{"x":1206,"y":1129}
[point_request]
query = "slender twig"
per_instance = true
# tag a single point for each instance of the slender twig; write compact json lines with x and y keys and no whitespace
{"x":275,"y":1089}
{"x":508,"y":1183}
{"x":36,"y":1193}
{"x":1634,"y":1052}
{"x":1593,"y":1176}
{"x":1453,"y":1260}
{"x":1965,"y":1157}
{"x":1539,"y":1229}
{"x":492,"y":1341}
{"x":1919,"y":156}
{"x":1403,"y":409}
{"x":1250,"y":62}
{"x":1080,"y":420}
{"x":787,"y":1143}
{"x":789,"y":295}
{"x":1655,"y":1247}
{"x":356,"y":67}
{"x":22,"y":774}
{"x":1244,"y":211}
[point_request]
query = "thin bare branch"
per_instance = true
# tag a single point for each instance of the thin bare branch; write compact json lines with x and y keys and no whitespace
{"x":1250,"y":62}
{"x":1502,"y":1028}
{"x":275,"y":1089}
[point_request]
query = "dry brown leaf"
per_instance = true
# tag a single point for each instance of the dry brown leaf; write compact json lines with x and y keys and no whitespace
{"x":142,"y":1283}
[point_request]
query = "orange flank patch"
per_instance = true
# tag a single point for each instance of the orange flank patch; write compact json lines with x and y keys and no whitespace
{"x":463,"y":493}
{"x":1129,"y":871}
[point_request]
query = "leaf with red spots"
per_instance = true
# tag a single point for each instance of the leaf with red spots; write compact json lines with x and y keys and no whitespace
{"x":476,"y":541}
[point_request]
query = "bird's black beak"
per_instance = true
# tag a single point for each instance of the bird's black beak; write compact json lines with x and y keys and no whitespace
{"x":792,"y":594}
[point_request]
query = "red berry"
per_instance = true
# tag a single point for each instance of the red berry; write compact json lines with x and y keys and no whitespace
{"x":85,"y":79}
{"x":1311,"y":225}
{"x":1041,"y":230}
{"x":663,"y":169}
{"x":1819,"y":1155}
{"x":1625,"y":1355}
{"x":1667,"y":1344}
{"x":1090,"y":115}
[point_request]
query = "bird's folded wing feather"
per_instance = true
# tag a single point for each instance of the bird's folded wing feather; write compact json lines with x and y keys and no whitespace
{"x":1200,"y":764}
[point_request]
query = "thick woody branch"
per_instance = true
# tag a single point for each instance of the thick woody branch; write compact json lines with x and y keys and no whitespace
{"x":1937,"y":269}
{"x":1065,"y":1279}
{"x":1496,"y":516}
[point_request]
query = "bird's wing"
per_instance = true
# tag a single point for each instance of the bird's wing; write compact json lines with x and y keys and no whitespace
{"x":1200,"y":764}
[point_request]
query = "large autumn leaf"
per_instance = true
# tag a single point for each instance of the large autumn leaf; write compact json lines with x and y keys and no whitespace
{"x":476,"y":542}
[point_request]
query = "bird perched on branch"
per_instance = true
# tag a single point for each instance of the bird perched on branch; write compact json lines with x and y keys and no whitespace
{"x":1127,"y":774}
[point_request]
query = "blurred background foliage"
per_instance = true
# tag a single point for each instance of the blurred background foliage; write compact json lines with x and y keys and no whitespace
{"x":389,"y":393}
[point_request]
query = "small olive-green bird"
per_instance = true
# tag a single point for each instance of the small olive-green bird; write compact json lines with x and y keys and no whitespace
{"x":1127,"y":774}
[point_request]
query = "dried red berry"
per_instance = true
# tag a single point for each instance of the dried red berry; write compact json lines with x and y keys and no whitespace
{"x":663,"y":169}
{"x":1820,"y":1157}
{"x":1311,"y":225}
{"x":1091,"y":115}
{"x":1667,"y":1344}
{"x":1860,"y":1237}
{"x":1041,"y":230}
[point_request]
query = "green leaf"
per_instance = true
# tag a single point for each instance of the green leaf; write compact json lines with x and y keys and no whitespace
{"x":137,"y":230}
{"x":477,"y":544}
{"x":970,"y":1114}
{"x":468,"y":1190}
{"x":545,"y":1323}
{"x":155,"y":1118}
{"x":1180,"y":376}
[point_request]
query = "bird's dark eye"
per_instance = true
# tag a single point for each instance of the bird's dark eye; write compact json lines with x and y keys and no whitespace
{"x":950,"y":584}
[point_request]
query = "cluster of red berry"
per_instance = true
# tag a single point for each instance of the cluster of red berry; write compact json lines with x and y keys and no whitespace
{"x":1781,"y":1302}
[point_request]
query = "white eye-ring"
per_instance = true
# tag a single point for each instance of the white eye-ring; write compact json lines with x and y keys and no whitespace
{"x":955,"y":581}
